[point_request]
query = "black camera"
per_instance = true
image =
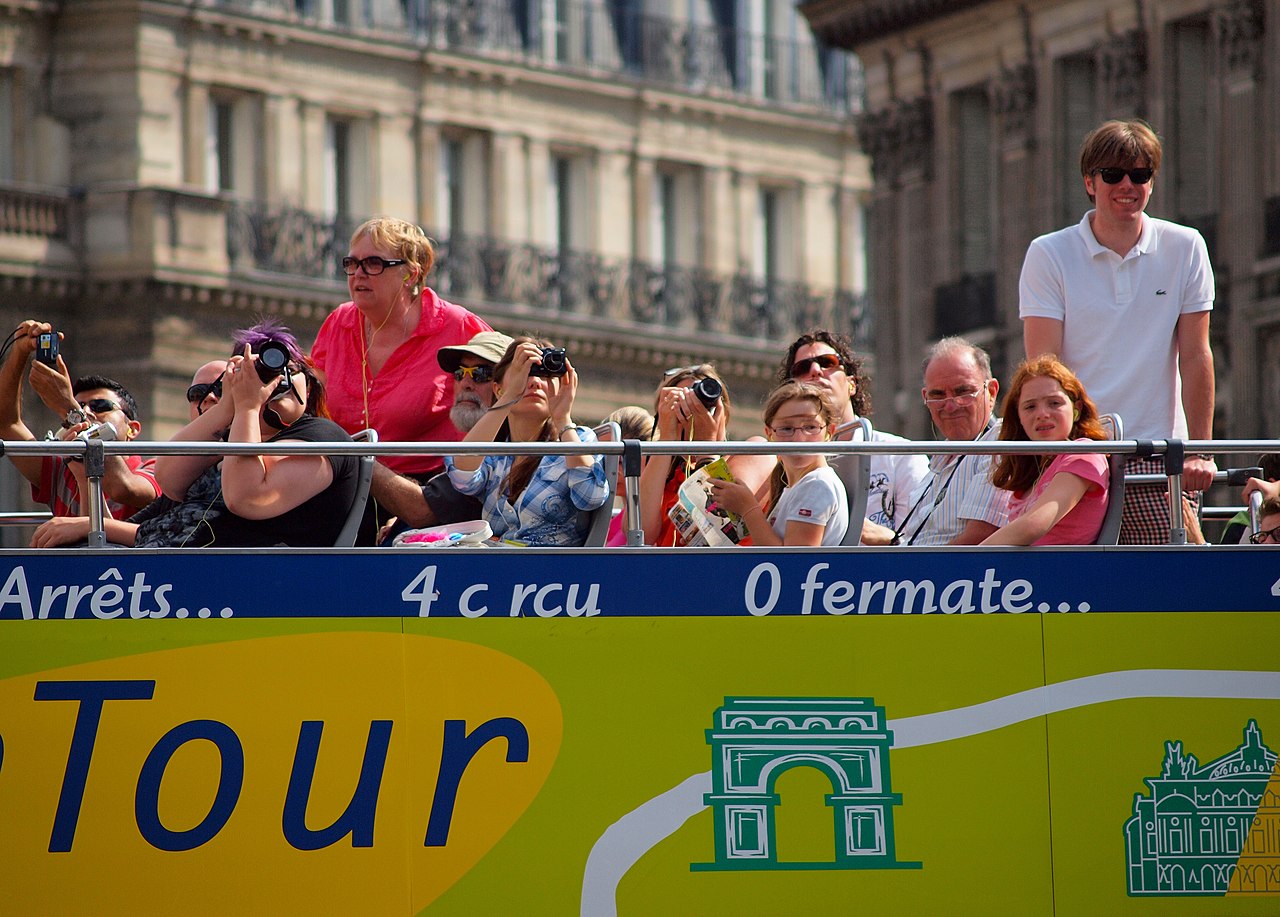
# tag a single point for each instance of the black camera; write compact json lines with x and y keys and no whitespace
{"x":47,"y":348}
{"x":273,"y":360}
{"x":554,"y":363}
{"x":708,"y":391}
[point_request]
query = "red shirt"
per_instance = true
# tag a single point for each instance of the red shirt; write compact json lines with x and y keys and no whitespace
{"x":410,"y":397}
{"x":58,"y":489}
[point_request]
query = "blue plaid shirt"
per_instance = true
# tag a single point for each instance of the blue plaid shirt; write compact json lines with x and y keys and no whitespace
{"x":546,"y":513}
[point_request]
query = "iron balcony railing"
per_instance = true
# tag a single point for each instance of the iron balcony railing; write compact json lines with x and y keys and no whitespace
{"x":613,"y":38}
{"x":481,"y":269}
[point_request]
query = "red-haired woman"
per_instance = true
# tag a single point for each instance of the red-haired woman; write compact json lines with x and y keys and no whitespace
{"x":1057,"y":499}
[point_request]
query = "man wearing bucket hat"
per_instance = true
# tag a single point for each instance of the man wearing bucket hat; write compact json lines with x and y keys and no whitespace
{"x":436,"y":502}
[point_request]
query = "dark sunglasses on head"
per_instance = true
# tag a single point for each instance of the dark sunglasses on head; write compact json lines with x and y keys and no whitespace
{"x":197,"y":393}
{"x":1113,"y":175}
{"x":823,"y":361}
{"x":373,"y":265}
{"x":479,"y":374}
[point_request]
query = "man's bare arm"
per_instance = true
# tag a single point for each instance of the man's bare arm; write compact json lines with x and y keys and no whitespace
{"x":1041,"y":335}
{"x":401,"y":497}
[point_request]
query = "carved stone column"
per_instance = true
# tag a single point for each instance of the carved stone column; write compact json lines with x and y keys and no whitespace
{"x":1239,"y":29}
{"x":1122,"y":63}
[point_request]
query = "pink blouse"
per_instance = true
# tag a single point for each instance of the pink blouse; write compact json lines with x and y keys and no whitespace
{"x":410,"y":397}
{"x":1083,"y":523}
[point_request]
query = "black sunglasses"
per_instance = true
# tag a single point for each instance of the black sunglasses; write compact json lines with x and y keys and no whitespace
{"x":823,"y":361}
{"x":1260,"y":537}
{"x":197,"y":393}
{"x":479,"y":374}
{"x":1113,"y":175}
{"x":373,"y":265}
{"x":101,"y":405}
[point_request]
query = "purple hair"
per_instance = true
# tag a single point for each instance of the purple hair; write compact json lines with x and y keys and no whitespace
{"x":267,"y":329}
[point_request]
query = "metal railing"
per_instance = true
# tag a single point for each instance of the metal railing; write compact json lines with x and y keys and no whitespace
{"x":600,"y":38}
{"x":94,"y":451}
{"x":475,"y":269}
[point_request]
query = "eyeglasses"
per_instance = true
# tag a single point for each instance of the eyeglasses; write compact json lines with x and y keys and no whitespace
{"x":477,"y":374}
{"x":961,"y":399}
{"x":1113,"y":175}
{"x":1267,"y":535}
{"x":788,"y":432}
{"x":198,"y":392}
{"x":824,"y":362}
{"x":373,"y":265}
{"x":100,"y":405}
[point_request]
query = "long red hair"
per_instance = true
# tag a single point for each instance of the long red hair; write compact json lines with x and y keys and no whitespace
{"x":1019,"y":472}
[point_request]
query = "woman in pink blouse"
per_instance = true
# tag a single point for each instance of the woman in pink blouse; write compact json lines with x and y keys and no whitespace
{"x":1057,"y":499}
{"x":377,"y":353}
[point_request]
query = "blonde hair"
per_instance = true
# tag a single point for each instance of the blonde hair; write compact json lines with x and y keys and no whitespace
{"x":408,"y":241}
{"x":634,"y":422}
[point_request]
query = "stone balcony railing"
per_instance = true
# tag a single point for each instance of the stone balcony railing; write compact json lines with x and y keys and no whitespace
{"x":614,"y":40}
{"x":38,"y":214}
{"x":573,"y":285}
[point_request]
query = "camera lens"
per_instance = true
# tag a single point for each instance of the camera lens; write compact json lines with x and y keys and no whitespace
{"x":553,"y":363}
{"x":708,"y":391}
{"x":273,"y":357}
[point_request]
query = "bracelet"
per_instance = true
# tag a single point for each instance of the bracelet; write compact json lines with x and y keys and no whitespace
{"x":1203,"y":456}
{"x":566,"y":427}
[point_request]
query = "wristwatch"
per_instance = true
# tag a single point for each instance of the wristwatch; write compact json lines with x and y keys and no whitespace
{"x":74,"y":416}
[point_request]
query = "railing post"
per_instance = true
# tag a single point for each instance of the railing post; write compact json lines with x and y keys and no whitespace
{"x":94,"y":467}
{"x":631,"y":471}
{"x":1174,"y":454}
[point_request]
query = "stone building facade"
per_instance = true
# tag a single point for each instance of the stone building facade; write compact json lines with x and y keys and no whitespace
{"x":649,"y":183}
{"x":975,"y":115}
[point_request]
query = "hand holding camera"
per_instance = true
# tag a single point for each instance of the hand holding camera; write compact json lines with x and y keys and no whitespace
{"x":553,"y":362}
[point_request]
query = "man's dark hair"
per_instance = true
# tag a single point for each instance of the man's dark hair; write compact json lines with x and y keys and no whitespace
{"x":88,"y":383}
{"x":1270,"y":465}
{"x":861,"y":400}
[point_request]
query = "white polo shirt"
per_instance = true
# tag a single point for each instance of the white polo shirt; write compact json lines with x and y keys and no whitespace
{"x":1120,"y":315}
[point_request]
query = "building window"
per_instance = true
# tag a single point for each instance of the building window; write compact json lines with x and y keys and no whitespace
{"x":1077,"y":101}
{"x":1189,"y":152}
{"x":219,"y":158}
{"x":7,"y":168}
{"x":568,"y":221}
{"x":772,"y":258}
{"x":675,"y":211}
{"x":450,"y":190}
{"x":462,"y":184}
{"x":346,"y":167}
{"x":232,"y":131}
{"x":971,"y":117}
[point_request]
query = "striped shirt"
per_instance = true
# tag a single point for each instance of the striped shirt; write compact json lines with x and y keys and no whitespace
{"x":957,"y":489}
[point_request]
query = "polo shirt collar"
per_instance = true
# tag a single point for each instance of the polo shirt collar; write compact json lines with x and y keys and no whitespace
{"x":1146,"y":240}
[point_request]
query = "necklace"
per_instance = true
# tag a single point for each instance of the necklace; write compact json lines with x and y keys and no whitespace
{"x":366,"y":344}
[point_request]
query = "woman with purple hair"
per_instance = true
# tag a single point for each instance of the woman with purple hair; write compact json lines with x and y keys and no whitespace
{"x":297,"y":500}
{"x":245,"y":500}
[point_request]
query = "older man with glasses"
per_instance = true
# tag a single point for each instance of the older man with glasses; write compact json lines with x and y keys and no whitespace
{"x":957,"y":503}
{"x":128,"y":482}
{"x":418,"y":505}
{"x":826,"y":359}
{"x":1124,"y":300}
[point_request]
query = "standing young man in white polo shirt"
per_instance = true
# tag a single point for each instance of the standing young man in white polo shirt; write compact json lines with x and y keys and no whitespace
{"x":1124,"y":300}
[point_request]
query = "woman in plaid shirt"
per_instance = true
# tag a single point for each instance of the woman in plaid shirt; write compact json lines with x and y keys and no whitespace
{"x":534,"y":500}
